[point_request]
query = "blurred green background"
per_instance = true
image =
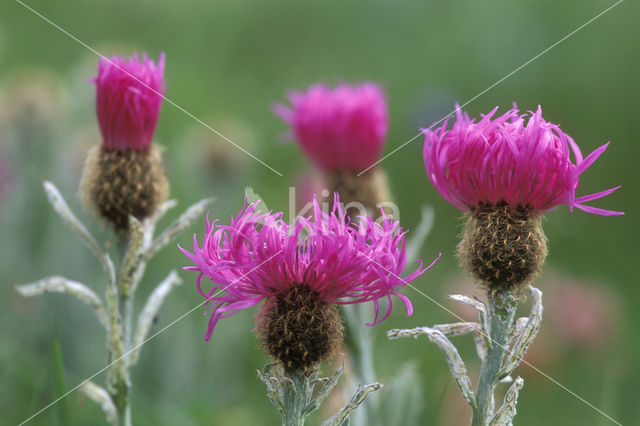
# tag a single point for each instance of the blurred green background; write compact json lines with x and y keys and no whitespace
{"x":227,"y":62}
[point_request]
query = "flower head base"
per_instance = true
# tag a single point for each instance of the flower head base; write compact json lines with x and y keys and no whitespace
{"x":340,"y":129}
{"x":129,"y":96}
{"x":117,"y":184}
{"x":306,"y":266}
{"x":507,"y":159}
{"x":503,"y":247}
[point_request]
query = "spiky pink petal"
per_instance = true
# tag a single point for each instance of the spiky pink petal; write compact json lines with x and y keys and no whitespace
{"x":259,"y":256}
{"x":128,"y":100}
{"x":508,"y":158}
{"x":339,"y":129}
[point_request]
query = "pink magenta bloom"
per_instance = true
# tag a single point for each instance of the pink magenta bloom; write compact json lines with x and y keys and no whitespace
{"x":259,"y":257}
{"x":340,"y":129}
{"x":128,"y":100}
{"x":510,"y":159}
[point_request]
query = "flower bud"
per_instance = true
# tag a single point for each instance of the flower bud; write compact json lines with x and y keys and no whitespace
{"x":124,"y":176}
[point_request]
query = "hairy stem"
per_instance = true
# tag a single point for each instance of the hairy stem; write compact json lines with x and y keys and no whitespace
{"x":502,"y":309}
{"x":118,"y":371}
{"x":297,"y":395}
{"x":120,"y":306}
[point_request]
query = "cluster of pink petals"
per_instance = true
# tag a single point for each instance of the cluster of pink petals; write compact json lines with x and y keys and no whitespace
{"x":508,"y":158}
{"x":129,"y":96}
{"x":340,"y":129}
{"x":259,"y":256}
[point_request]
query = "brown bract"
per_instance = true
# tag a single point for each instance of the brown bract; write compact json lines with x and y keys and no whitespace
{"x":116,"y":184}
{"x":368,"y":189}
{"x":299,"y":330}
{"x":503,"y":248}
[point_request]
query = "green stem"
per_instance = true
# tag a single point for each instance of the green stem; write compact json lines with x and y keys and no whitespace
{"x":297,"y":394}
{"x":502,"y":309}
{"x":119,"y":307}
{"x":118,"y":371}
{"x":364,"y":365}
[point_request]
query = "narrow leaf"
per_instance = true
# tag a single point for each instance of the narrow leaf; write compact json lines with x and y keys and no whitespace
{"x":57,"y":284}
{"x":62,"y":208}
{"x":525,"y":338}
{"x":478,"y":305}
{"x":64,"y":412}
{"x":507,"y":411}
{"x":101,"y":396}
{"x":361,"y":393}
{"x":327,"y":385}
{"x":180,"y":224}
{"x":150,"y":310}
{"x":458,"y":328}
{"x":456,"y":365}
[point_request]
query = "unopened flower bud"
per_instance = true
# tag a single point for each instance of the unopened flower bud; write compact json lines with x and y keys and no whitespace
{"x":124,"y":176}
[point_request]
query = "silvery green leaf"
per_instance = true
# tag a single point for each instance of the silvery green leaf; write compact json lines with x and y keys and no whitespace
{"x":516,"y":330}
{"x":57,"y":284}
{"x":274,"y":387}
{"x":480,"y":343}
{"x":62,"y":208}
{"x":99,"y":395}
{"x":458,"y":328}
{"x":342,"y":416}
{"x":507,"y":411}
{"x":180,"y":224}
{"x":479,"y":306}
{"x":525,"y":338}
{"x":150,"y":310}
{"x":456,"y":365}
{"x":163,"y":209}
{"x":506,"y":379}
{"x":420,"y":234}
{"x":149,"y":224}
{"x":327,"y":384}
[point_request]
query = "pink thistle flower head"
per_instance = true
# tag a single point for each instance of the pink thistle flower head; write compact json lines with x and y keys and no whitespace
{"x":259,"y":257}
{"x":517,"y":159}
{"x":339,"y":129}
{"x":128,"y":100}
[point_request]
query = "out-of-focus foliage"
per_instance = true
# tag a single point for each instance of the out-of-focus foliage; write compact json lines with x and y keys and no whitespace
{"x":227,"y":62}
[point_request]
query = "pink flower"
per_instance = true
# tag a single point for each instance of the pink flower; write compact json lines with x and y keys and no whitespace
{"x":129,"y":96}
{"x":259,"y":257}
{"x":340,"y":129}
{"x":508,"y":159}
